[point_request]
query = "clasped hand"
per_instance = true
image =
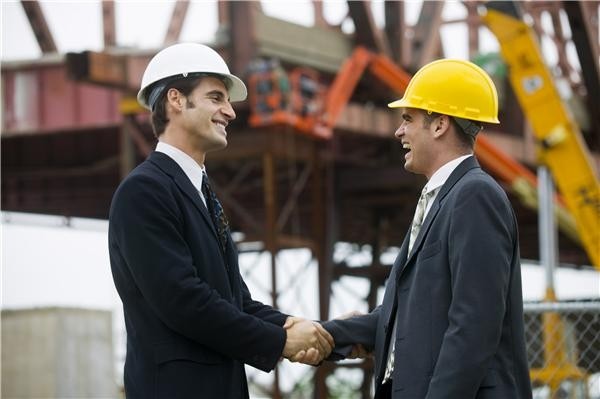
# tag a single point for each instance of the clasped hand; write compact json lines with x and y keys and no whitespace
{"x":307,"y":341}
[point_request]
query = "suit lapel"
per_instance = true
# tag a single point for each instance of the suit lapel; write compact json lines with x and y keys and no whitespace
{"x":171,"y":168}
{"x":455,"y":176}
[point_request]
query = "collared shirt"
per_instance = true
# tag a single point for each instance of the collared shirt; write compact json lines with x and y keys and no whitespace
{"x":190,"y":167}
{"x":439,"y":178}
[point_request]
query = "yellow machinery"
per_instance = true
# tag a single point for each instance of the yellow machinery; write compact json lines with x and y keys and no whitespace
{"x":563,"y":151}
{"x":562,"y":147}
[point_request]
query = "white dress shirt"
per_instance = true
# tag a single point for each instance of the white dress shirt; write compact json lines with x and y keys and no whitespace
{"x":190,"y":167}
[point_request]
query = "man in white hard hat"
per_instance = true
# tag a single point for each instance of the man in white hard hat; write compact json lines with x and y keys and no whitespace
{"x":191,"y":322}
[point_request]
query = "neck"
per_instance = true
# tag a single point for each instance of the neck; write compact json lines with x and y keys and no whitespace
{"x":182,"y":142}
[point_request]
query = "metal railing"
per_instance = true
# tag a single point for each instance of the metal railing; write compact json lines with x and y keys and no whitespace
{"x":563,"y":348}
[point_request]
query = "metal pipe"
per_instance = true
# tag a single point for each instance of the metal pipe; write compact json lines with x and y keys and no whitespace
{"x":547,"y":225}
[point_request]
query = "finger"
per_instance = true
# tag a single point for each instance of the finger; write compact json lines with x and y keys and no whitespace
{"x":358,"y":352}
{"x":353,"y":353}
{"x":312,"y":357}
{"x":290,"y":321}
{"x":323,"y":344}
{"x":298,"y":357}
{"x":325,"y":334}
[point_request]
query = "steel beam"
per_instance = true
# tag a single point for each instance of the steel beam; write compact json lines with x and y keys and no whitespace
{"x":38,"y":23}
{"x":177,"y":19}
{"x":108,"y":23}
{"x":395,"y":27}
{"x":366,"y":33}
{"x":242,"y":33}
{"x":426,"y":40}
{"x":585,"y":33}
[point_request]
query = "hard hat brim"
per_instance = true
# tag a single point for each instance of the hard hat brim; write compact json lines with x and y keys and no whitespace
{"x":236,"y":89}
{"x":397,"y":104}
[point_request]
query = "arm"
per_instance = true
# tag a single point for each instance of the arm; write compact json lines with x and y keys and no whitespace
{"x":356,"y":330}
{"x":482,"y":239}
{"x":257,"y":309}
{"x":147,"y":236}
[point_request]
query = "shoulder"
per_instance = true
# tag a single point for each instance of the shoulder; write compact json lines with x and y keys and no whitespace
{"x":145,"y":182}
{"x":476,"y":182}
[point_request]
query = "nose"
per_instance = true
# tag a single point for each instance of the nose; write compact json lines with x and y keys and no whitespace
{"x":228,"y":111}
{"x":399,"y":132}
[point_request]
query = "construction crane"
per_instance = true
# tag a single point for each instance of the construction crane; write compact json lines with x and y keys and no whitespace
{"x":563,"y":150}
{"x":561,"y":146}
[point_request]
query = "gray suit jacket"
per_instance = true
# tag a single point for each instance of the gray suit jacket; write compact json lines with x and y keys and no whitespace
{"x":457,"y":298}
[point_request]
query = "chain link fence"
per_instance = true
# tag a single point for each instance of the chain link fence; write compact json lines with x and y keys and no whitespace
{"x":563,"y":348}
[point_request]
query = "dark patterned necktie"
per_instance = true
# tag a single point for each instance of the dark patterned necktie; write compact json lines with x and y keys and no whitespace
{"x":216,"y":212}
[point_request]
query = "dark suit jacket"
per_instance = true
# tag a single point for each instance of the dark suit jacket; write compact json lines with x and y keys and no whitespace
{"x":457,"y":298}
{"x":191,"y":323}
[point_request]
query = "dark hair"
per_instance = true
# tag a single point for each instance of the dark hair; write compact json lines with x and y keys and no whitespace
{"x":159,"y":114}
{"x":467,"y":140}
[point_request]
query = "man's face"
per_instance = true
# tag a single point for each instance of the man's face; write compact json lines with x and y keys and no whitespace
{"x":207,"y":113}
{"x":417,"y":137}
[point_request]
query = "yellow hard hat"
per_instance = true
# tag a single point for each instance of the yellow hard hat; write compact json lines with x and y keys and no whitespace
{"x":452,"y":87}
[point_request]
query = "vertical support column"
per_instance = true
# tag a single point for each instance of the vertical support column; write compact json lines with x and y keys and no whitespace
{"x":320,"y":20}
{"x":242,"y":26}
{"x":395,"y":28}
{"x":270,"y":198}
{"x":376,"y":246}
{"x":473,"y":23}
{"x":322,"y":252}
{"x":109,"y":24}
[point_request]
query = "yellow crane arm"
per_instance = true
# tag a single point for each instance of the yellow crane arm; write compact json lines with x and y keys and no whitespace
{"x":562,"y":147}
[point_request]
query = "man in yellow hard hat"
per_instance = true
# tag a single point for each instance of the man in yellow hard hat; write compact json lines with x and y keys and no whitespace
{"x":191,"y":322}
{"x":451,"y":322}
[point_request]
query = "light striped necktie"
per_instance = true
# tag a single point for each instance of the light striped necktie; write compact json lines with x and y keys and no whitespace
{"x":414,"y":232}
{"x":419,"y":216}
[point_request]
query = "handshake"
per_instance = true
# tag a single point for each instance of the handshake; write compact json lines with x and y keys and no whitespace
{"x":309,"y":343}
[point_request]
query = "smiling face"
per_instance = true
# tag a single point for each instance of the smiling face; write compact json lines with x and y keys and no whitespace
{"x":418,"y":137}
{"x":206,"y":114}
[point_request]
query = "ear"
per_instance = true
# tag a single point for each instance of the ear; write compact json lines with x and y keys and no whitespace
{"x":441,"y":125}
{"x":175,"y":99}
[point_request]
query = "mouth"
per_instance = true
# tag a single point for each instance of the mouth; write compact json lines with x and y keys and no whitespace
{"x":407,"y":147}
{"x":221,"y":124}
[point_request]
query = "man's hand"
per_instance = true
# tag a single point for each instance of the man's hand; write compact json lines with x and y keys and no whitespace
{"x":307,"y":341}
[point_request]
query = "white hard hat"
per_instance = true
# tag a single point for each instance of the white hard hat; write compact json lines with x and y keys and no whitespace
{"x":182,"y":59}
